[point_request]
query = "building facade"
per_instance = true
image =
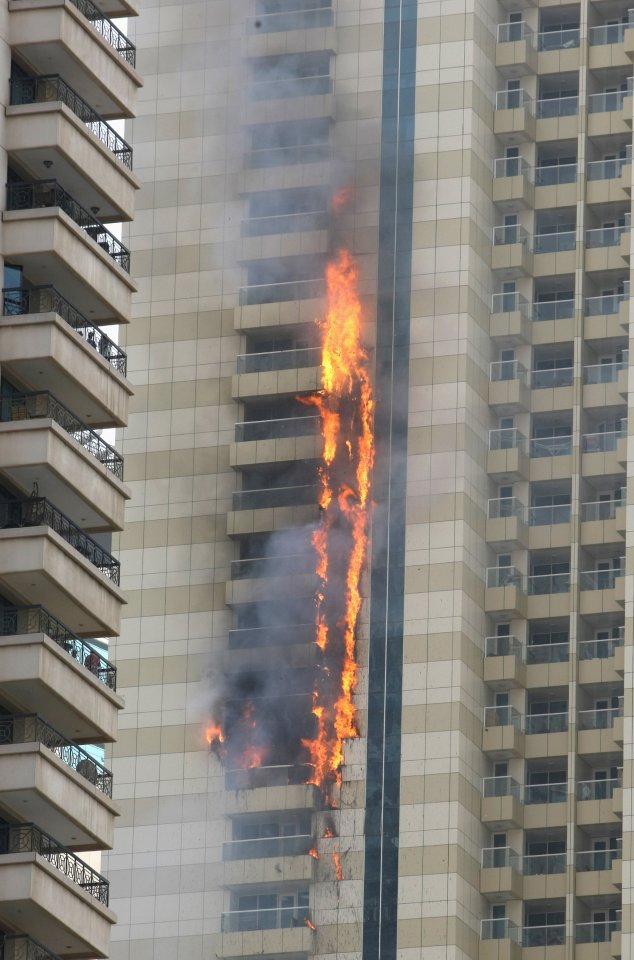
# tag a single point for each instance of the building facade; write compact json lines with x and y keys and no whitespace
{"x":483,"y":153}
{"x":68,"y":73}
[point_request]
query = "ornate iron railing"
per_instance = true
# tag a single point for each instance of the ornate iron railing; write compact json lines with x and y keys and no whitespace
{"x":18,"y":301}
{"x":29,"y":728}
{"x":37,"y":512}
{"x":48,"y":193}
{"x":52,"y":87}
{"x":20,"y":947}
{"x":16,"y":621}
{"x":111,"y":34}
{"x":27,"y":838}
{"x":34,"y":406}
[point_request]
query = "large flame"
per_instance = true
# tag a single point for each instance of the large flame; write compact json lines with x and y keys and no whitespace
{"x":345,"y":404}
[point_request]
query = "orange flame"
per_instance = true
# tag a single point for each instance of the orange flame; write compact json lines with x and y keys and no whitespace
{"x":329,"y":832}
{"x":336,"y":859}
{"x":313,"y":853}
{"x":252,"y":756}
{"x":214,"y":734}
{"x":346,"y":406}
{"x":309,"y":923}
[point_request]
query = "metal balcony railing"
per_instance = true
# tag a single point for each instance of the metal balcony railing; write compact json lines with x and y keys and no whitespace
{"x":502,"y":647}
{"x":545,"y":793}
{"x":553,"y":377}
{"x":499,"y":929}
{"x":317,"y":16}
{"x":512,"y":32}
{"x":549,"y":514}
{"x":19,"y":301}
{"x":598,"y":649}
{"x":37,"y":406}
{"x":596,"y":931}
{"x":48,"y":193}
{"x":599,"y":579}
{"x":275,"y":497}
{"x":553,"y":309}
{"x":597,"y":859}
{"x":276,"y":429}
{"x":506,"y":370}
{"x":37,"y":512}
{"x":104,"y":26}
{"x":279,"y":775}
{"x":550,"y":446}
{"x":506,"y":438}
{"x":510,"y":233}
{"x":503,"y":507}
{"x":282,"y":291}
{"x":51,"y":88}
{"x":510,"y":167}
{"x":535,"y":723}
{"x":510,"y":303}
{"x":606,"y":102}
{"x":19,"y":621}
{"x":598,"y":789}
{"x":503,"y":577}
{"x":599,"y":719}
{"x":603,"y":442}
{"x":300,"y":357}
{"x":562,"y":39}
{"x":497,"y":857}
{"x":274,"y":918}
{"x":604,"y":372}
{"x":502,"y":716}
{"x":558,"y":107}
{"x":19,"y":946}
{"x":248,"y":637}
{"x":274,"y":566}
{"x":552,"y":935}
{"x":294,"y":846}
{"x":605,"y":236}
{"x":606,"y":169}
{"x":543,"y":864}
{"x":501,"y":787}
{"x":606,"y":305}
{"x":547,"y":652}
{"x":27,"y":838}
{"x":30,"y":728}
{"x":554,"y":242}
{"x":555,"y":173}
{"x":513,"y":100}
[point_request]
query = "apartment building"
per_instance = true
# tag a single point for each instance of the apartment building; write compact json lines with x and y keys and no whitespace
{"x":484,"y":809}
{"x":68,"y":73}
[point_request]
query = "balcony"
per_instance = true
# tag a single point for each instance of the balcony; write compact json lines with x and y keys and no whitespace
{"x":604,"y":385}
{"x":511,"y":254}
{"x":508,"y":390}
{"x":45,"y":666}
{"x":557,"y":117}
{"x":50,"y":122}
{"x":512,"y":186}
{"x":606,"y":317}
{"x":555,"y":185}
{"x":502,"y":736}
{"x":48,"y":559}
{"x":277,"y":360}
{"x":552,"y":389}
{"x":597,"y":801}
{"x":558,"y":39}
{"x":600,"y":731}
{"x":300,"y":19}
{"x":603,"y":453}
{"x":506,"y":458}
{"x":46,"y":887}
{"x":601,"y":660}
{"x":545,"y":805}
{"x":499,"y":940}
{"x":609,"y":181}
{"x":515,"y":54}
{"x":253,"y":790}
{"x":606,"y":114}
{"x":283,"y":381}
{"x":599,"y":872}
{"x":267,"y":578}
{"x":503,"y":663}
{"x":46,"y":342}
{"x":77,"y":41}
{"x":75,"y":803}
{"x":504,"y":591}
{"x":553,"y":321}
{"x":554,"y":252}
{"x":553,"y":935}
{"x":551,"y":457}
{"x":599,"y":591}
{"x":514,"y":119}
{"x":268,"y":931}
{"x":269,"y":860}
{"x":604,"y":249}
{"x":544,"y":876}
{"x":509,"y":324}
{"x":599,"y":522}
{"x":502,"y":803}
{"x":500,"y":877}
{"x":506,"y":522}
{"x":591,"y":934}
{"x":74,"y":465}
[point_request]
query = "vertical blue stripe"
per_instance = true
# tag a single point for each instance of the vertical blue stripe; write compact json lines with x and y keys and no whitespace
{"x":388,"y":537}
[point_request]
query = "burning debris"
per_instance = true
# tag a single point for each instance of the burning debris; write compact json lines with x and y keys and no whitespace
{"x":336,"y":859}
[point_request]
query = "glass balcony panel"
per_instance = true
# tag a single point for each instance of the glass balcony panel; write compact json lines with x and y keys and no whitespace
{"x":598,"y":579}
{"x":553,"y":935}
{"x":499,"y":929}
{"x":494,"y":857}
{"x":606,"y":169}
{"x":564,"y":39}
{"x":603,"y":372}
{"x":607,"y":33}
{"x":545,"y":723}
{"x":606,"y":102}
{"x":605,"y":236}
{"x":537,"y":865}
{"x":281,"y":292}
{"x":275,"y":429}
{"x":597,"y":859}
{"x":501,"y":787}
{"x":598,"y":719}
{"x":599,"y":649}
{"x":597,"y":789}
{"x":503,"y":577}
{"x":602,"y":442}
{"x":512,"y":100}
{"x":502,"y":716}
{"x":279,"y":360}
{"x":596,"y":931}
{"x":506,"y":370}
{"x":547,"y":652}
{"x":550,"y":446}
{"x":274,"y":497}
{"x":512,"y":32}
{"x":506,"y":438}
{"x":509,"y":167}
{"x":279,"y":775}
{"x":260,"y":848}
{"x":273,"y":566}
{"x":555,"y":377}
{"x":505,"y":507}
{"x":554,"y":242}
{"x":502,"y":646}
{"x":553,"y":309}
{"x":555,"y":174}
{"x":508,"y":234}
{"x":547,"y":515}
{"x":557,"y":107}
{"x":545,"y":793}
{"x":274,"y":918}
{"x":604,"y":306}
{"x":317,"y":16}
{"x":509,"y":303}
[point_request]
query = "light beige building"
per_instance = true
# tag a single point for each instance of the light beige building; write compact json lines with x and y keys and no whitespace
{"x":68,"y":73}
{"x":485,"y":809}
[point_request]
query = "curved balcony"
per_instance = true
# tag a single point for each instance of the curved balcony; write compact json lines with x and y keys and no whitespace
{"x":78,"y":41}
{"x":19,"y":946}
{"x":45,"y":666}
{"x":48,"y":121}
{"x":44,"y":886}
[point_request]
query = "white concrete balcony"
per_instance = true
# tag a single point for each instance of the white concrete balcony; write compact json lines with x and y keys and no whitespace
{"x":49,"y":345}
{"x":74,"y":39}
{"x":50,"y":126}
{"x":47,"y":888}
{"x":44,"y":666}
{"x":45,"y":775}
{"x":47,"y":559}
{"x":269,"y":860}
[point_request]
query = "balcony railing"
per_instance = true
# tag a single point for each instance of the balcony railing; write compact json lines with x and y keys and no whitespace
{"x":596,"y":931}
{"x":19,"y":621}
{"x":549,"y":936}
{"x":318,"y":16}
{"x":37,"y":406}
{"x":547,"y":652}
{"x":599,"y":579}
{"x":597,"y":859}
{"x":599,"y":719}
{"x":558,"y":107}
{"x":608,"y":33}
{"x":295,"y":86}
{"x":37,"y":512}
{"x":510,"y":303}
{"x":554,"y":242}
{"x":506,"y":438}
{"x":46,"y":89}
{"x":275,"y":497}
{"x":502,"y":647}
{"x":502,"y":716}
{"x":107,"y":29}
{"x":274,"y":566}
{"x":279,"y":775}
{"x":606,"y":169}
{"x":550,"y":446}
{"x":602,"y":442}
{"x":282,"y":291}
{"x":249,"y":637}
{"x":606,"y":305}
{"x":553,"y":309}
{"x":599,"y":649}
{"x":27,"y":838}
{"x":509,"y":234}
{"x":512,"y":32}
{"x":503,"y":507}
{"x":501,"y":787}
{"x":30,"y":728}
{"x":500,"y":929}
{"x":291,"y":154}
{"x":545,"y":793}
{"x":605,"y":236}
{"x":597,"y":789}
{"x":19,"y":301}
{"x":273,"y":918}
{"x":506,"y":370}
{"x":294,"y":846}
{"x":606,"y":102}
{"x":513,"y":100}
{"x":276,"y":429}
{"x":599,"y":510}
{"x":510,"y":167}
{"x":279,"y":360}
{"x":19,"y":946}
{"x":549,"y":514}
{"x":555,"y":173}
{"x":48,"y":193}
{"x":285,"y":223}
{"x":543,"y":864}
{"x":496,"y":857}
{"x":552,"y":377}
{"x":535,"y":723}
{"x":503,"y":577}
{"x":603,"y":372}
{"x":562,"y":39}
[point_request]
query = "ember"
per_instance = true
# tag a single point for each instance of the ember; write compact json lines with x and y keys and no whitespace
{"x":309,"y":923}
{"x":313,"y":853}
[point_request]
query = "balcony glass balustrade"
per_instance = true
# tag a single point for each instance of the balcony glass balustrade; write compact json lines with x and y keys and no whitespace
{"x":502,"y":716}
{"x":510,"y":303}
{"x":606,"y":102}
{"x":547,"y":652}
{"x":257,"y":849}
{"x":496,"y":857}
{"x":596,"y":931}
{"x":599,"y":579}
{"x":502,"y":647}
{"x":279,"y":360}
{"x":545,"y":793}
{"x":556,"y":173}
{"x":557,"y":107}
{"x":605,"y":236}
{"x":604,"y":372}
{"x":560,"y":39}
{"x":275,"y":497}
{"x":606,"y":169}
{"x":608,"y":33}
{"x":503,"y":507}
{"x":512,"y":32}
{"x":554,"y":242}
{"x":278,"y":775}
{"x":501,"y":787}
{"x":500,"y":929}
{"x":560,"y":446}
{"x":599,"y":649}
{"x":276,"y":429}
{"x":544,"y":379}
{"x":510,"y":167}
{"x":282,"y":291}
{"x":603,"y":442}
{"x":606,"y":305}
{"x":244,"y":638}
{"x":599,"y":719}
{"x":503,"y":577}
{"x":506,"y":438}
{"x":535,"y":723}
{"x":500,"y":370}
{"x":543,"y":864}
{"x":549,"y":514}
{"x":273,"y":566}
{"x":597,"y":859}
{"x":553,"y":309}
{"x":508,"y":234}
{"x":274,"y":918}
{"x":548,"y":936}
{"x":598,"y":789}
{"x":513,"y":100}
{"x":319,"y":15}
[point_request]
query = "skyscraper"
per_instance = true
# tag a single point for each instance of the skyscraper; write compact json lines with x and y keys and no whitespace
{"x":68,"y":74}
{"x":475,"y":161}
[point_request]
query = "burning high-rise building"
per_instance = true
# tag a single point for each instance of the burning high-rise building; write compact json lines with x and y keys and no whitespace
{"x":375,"y":652}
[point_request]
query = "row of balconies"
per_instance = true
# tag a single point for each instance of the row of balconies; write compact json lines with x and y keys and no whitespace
{"x":515,"y":253}
{"x":512,"y":456}
{"x":506,"y":803}
{"x":520,"y":118}
{"x":522,"y":50}
{"x":507,"y":590}
{"x":512,"y":524}
{"x":510,"y":663}
{"x":517,"y":185}
{"x":507,"y":875}
{"x":592,"y":933}
{"x":507,"y":734}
